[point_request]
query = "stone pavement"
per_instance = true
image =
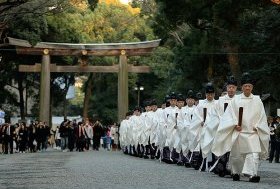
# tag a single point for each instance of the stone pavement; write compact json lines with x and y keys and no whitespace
{"x":103,"y":169}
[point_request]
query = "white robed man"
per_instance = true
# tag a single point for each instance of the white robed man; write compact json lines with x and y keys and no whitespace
{"x":154,"y":128}
{"x":243,"y":131}
{"x":147,"y":120}
{"x":170,"y":114}
{"x":222,"y":168}
{"x":124,"y":135}
{"x":136,"y":124}
{"x":179,"y":131}
{"x":184,"y":121}
{"x":201,"y":120}
{"x":160,"y":118}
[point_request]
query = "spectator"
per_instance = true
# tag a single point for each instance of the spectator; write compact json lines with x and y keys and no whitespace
{"x":88,"y":134}
{"x":115,"y":136}
{"x":22,"y":138}
{"x":63,"y":130}
{"x":277,"y":138}
{"x":97,"y":133}
{"x":57,"y":138}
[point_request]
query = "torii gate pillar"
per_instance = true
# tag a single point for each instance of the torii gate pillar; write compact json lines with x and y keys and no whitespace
{"x":45,"y":88}
{"x":122,"y":86}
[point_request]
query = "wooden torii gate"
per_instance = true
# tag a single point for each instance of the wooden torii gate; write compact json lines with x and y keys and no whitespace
{"x":47,"y":49}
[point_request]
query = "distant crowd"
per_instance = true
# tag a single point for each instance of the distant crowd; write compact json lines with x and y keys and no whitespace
{"x":69,"y":136}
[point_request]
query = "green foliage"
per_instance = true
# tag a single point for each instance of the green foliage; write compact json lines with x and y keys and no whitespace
{"x":215,"y":29}
{"x":198,"y":37}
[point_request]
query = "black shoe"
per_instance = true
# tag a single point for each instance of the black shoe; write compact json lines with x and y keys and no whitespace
{"x":222,"y":174}
{"x":254,"y":179}
{"x":188,"y":165}
{"x":146,"y":157}
{"x":236,"y":177}
{"x":152,"y":157}
{"x":180,"y":163}
{"x":168,"y":161}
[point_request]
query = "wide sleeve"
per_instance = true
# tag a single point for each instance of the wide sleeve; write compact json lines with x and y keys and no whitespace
{"x":226,"y":133}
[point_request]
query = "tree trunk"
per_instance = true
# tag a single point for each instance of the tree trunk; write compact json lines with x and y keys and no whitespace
{"x":65,"y":106}
{"x":233,"y":60}
{"x":88,"y":93}
{"x":26,"y":99}
{"x":21,"y":98}
{"x":51,"y":105}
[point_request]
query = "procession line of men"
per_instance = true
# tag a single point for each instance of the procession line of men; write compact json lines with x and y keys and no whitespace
{"x":225,"y":136}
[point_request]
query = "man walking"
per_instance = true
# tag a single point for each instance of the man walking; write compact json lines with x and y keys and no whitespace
{"x":243,"y":130}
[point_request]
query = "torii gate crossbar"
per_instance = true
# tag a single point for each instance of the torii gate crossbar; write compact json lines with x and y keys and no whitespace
{"x":47,"y":49}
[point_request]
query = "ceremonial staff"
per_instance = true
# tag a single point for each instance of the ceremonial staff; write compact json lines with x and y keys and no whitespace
{"x":225,"y":106}
{"x":204,"y":114}
{"x":240,"y":116}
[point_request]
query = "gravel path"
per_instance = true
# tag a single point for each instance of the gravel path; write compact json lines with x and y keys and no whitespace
{"x":114,"y":170}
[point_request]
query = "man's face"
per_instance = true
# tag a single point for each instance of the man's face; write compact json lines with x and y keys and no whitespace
{"x":148,"y":108}
{"x":154,"y":108}
{"x":269,"y":119}
{"x":210,"y":96}
{"x":180,"y":104}
{"x":231,"y":90}
{"x":136,"y":112}
{"x":247,"y":89}
{"x":173,"y":102}
{"x":190,"y":102}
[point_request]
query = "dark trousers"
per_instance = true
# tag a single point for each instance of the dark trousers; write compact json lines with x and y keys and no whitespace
{"x":96,"y":142}
{"x":80,"y":144}
{"x":166,"y":153}
{"x":140,"y":150}
{"x":273,"y":146}
{"x":22,"y":145}
{"x":87,"y":143}
{"x":8,"y":143}
{"x":71,"y":143}
{"x":153,"y":150}
{"x":277,"y":152}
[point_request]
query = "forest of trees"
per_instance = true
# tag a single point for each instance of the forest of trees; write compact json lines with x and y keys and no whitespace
{"x":202,"y":41}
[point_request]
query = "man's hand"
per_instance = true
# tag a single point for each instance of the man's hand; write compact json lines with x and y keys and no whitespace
{"x":238,"y":128}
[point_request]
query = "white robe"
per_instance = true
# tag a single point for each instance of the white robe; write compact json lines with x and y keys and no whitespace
{"x":161,"y":128}
{"x":177,"y":132}
{"x":136,"y":124}
{"x":147,"y":119}
{"x":249,"y":141}
{"x":170,"y":115}
{"x":197,"y":131}
{"x":123,"y":133}
{"x":212,"y":124}
{"x":154,"y":128}
{"x":184,"y":121}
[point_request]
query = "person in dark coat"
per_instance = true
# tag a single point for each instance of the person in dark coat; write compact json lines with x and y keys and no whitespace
{"x":97,"y":133}
{"x":32,"y":137}
{"x":71,"y":136}
{"x":22,"y":138}
{"x":80,"y":136}
{"x":9,"y":132}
